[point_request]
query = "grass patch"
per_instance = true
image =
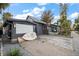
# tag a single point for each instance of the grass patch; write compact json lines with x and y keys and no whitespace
{"x":14,"y":52}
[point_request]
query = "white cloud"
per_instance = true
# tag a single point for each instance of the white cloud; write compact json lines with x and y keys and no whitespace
{"x":53,"y":10}
{"x":25,"y":11}
{"x":36,"y":12}
{"x":22,"y":16}
{"x":42,"y":4}
{"x":71,"y":4}
{"x":55,"y":19}
{"x":73,"y":15}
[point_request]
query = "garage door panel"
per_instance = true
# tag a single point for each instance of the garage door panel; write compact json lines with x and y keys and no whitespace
{"x":23,"y":28}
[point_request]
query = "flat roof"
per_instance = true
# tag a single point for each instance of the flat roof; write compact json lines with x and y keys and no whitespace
{"x":20,"y":20}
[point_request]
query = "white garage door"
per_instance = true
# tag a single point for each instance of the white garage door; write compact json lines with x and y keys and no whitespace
{"x":23,"y":28}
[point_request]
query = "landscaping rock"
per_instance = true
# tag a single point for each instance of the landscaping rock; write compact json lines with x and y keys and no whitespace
{"x":29,"y":36}
{"x":20,"y":40}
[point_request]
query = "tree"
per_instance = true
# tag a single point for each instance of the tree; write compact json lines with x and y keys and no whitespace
{"x":47,"y":17}
{"x":7,"y":16}
{"x":0,"y":25}
{"x":2,"y":7}
{"x":76,"y":25}
{"x":64,"y":23}
{"x":77,"y":19}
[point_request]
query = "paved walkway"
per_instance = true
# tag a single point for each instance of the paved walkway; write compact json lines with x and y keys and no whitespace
{"x":75,"y":43}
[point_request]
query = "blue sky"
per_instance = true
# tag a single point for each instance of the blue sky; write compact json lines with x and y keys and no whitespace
{"x":21,"y":10}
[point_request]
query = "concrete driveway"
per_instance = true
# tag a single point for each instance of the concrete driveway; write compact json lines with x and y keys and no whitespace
{"x":45,"y":47}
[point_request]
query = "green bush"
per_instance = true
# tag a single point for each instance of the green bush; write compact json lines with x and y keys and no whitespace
{"x":14,"y":52}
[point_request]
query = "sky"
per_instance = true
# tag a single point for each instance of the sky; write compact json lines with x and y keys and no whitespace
{"x":21,"y":10}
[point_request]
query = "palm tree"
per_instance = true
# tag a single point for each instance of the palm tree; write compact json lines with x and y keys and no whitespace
{"x":64,"y":23}
{"x":6,"y":16}
{"x":2,"y":7}
{"x":63,"y":12}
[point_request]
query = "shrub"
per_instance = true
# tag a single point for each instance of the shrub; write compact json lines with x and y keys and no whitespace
{"x":14,"y":52}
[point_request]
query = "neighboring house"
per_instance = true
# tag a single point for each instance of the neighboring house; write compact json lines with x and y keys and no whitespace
{"x":54,"y":28}
{"x":19,"y":27}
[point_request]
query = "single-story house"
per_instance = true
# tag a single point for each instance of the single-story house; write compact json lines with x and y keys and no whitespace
{"x":54,"y":28}
{"x":17,"y":27}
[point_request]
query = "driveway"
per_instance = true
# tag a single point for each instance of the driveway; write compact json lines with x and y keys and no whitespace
{"x":44,"y":48}
{"x":49,"y":45}
{"x":53,"y":45}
